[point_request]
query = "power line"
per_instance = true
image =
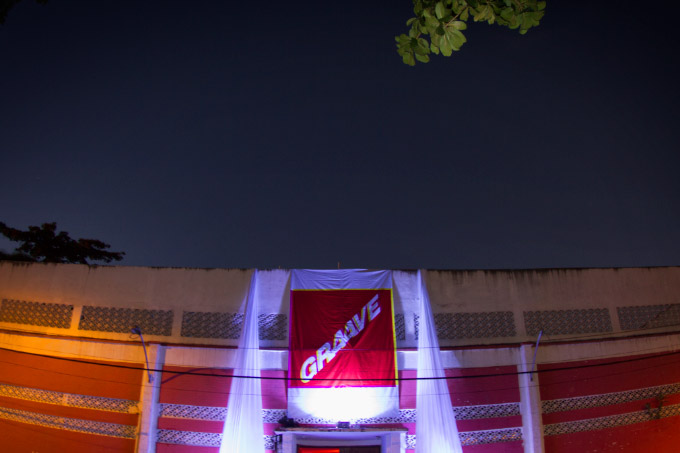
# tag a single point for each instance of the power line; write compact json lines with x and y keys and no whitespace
{"x":216,"y":392}
{"x":546,"y":343}
{"x":458,"y":392}
{"x":476,"y":376}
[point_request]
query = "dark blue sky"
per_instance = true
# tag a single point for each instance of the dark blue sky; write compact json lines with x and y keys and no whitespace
{"x":290,"y":134}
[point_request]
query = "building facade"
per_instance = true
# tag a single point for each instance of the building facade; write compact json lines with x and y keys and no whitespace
{"x":557,"y":360}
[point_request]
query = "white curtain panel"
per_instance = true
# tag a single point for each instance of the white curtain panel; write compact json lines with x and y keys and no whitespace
{"x":243,"y":430}
{"x":436,"y":430}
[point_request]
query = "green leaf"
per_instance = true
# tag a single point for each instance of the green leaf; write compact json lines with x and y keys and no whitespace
{"x":422,"y":58}
{"x":454,"y":38}
{"x":458,"y":25}
{"x":478,"y":15}
{"x":402,"y":39}
{"x":432,"y":24}
{"x":460,"y":38}
{"x":439,"y":10}
{"x":423,"y":47}
{"x":445,"y":47}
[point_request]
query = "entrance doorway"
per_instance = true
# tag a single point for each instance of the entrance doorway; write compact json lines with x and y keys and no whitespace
{"x":334,"y":440}
{"x":363,"y":449}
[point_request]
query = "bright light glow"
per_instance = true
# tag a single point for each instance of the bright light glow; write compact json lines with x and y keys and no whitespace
{"x":345,"y":403}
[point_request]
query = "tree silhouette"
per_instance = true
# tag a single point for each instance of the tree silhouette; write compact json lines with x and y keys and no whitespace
{"x":7,"y":5}
{"x":437,"y":25}
{"x":44,"y":244}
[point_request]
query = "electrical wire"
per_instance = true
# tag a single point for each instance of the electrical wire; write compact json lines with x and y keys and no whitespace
{"x":545,"y":343}
{"x":457,"y":393}
{"x":515,"y":373}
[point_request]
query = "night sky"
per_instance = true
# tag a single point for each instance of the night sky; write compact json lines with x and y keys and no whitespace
{"x":267,"y":134}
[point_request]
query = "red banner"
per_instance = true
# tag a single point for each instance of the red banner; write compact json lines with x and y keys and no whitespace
{"x":342,"y":338}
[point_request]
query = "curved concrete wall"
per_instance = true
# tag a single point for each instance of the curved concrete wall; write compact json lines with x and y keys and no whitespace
{"x":471,"y":307}
{"x":56,"y":319}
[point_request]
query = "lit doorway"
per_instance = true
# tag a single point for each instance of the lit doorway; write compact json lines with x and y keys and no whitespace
{"x":362,"y":449}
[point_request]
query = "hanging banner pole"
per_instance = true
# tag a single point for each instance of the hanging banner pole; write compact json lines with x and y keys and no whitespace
{"x":137,"y":331}
{"x":533,"y":363}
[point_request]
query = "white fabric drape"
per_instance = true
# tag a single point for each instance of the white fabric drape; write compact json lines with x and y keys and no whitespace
{"x":243,"y":430}
{"x":340,"y":279}
{"x":436,"y":430}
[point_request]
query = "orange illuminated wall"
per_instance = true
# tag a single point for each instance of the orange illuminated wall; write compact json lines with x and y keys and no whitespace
{"x":37,"y":390}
